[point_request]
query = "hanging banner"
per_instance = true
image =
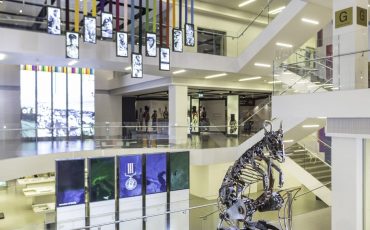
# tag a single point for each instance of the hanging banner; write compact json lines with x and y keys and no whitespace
{"x":140,"y":26}
{"x":89,"y":29}
{"x":136,"y":65}
{"x":173,"y":13}
{"x":117,"y":16}
{"x":93,"y":8}
{"x":146,"y":16}
{"x":125,"y":15}
{"x":67,"y":15}
{"x":160,"y":24}
{"x":189,"y":35}
{"x":72,"y":46}
{"x":180,"y":14}
{"x":167,"y":23}
{"x":154,"y":29}
{"x":164,"y":59}
{"x":54,"y":25}
{"x":77,"y":16}
{"x":121,"y":44}
{"x":151,"y":45}
{"x":177,"y":42}
{"x":192,"y":11}
{"x":85,"y":8}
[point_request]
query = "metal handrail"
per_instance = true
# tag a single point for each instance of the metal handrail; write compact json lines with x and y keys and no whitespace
{"x":308,"y":60}
{"x":324,"y":185}
{"x":315,"y":156}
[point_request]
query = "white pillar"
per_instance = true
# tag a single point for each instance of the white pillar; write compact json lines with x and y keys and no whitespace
{"x":177,"y":103}
{"x":350,"y":71}
{"x":347,"y":183}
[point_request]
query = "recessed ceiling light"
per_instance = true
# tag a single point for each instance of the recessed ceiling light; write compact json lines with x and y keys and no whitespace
{"x":20,"y":11}
{"x":72,"y":62}
{"x":179,"y":71}
{"x":277,"y":10}
{"x":128,"y":68}
{"x":284,"y":44}
{"x":310,"y":126}
{"x":246,"y":3}
{"x":288,"y":141}
{"x":215,"y":75}
{"x":321,"y":117}
{"x":307,"y":20}
{"x":274,"y":82}
{"x":2,"y":56}
{"x":262,"y":65}
{"x":250,"y":78}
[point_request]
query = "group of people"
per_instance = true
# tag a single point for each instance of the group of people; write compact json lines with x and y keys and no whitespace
{"x":144,"y":118}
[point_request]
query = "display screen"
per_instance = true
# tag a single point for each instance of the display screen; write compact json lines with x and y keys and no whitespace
{"x":72,"y":45}
{"x":28,"y":102}
{"x":102,"y":180}
{"x":121,"y":44}
{"x":60,"y":104}
{"x":54,"y":26}
{"x":189,"y":35}
{"x":44,"y":111}
{"x":164,"y":60}
{"x":136,"y":65}
{"x":88,"y":104}
{"x":74,"y":104}
{"x":179,"y":171}
{"x":130,"y":176}
{"x":70,"y":182}
{"x":156,"y":173}
{"x":106,"y":25}
{"x":177,"y":43}
{"x":89,"y":29}
{"x":151,"y":45}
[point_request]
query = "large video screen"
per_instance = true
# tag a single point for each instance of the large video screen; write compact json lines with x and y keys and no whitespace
{"x":130,"y":176}
{"x":156,"y":173}
{"x":88,"y":104}
{"x":28,"y":102}
{"x":70,"y":182}
{"x":44,"y":123}
{"x":60,"y":104}
{"x":102,"y":180}
{"x":179,"y":171}
{"x":74,"y":104}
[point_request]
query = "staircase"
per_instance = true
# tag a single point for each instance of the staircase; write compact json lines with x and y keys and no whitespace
{"x":311,"y":163}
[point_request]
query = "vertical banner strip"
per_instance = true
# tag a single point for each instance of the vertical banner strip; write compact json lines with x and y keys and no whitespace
{"x":58,"y":4}
{"x":85,"y":8}
{"x":102,"y":4}
{"x":173,"y":13}
{"x":132,"y":24}
{"x":168,"y":23}
{"x":146,"y":16}
{"x":192,"y":12}
{"x":154,"y":30}
{"x":180,"y":14}
{"x":93,"y":10}
{"x":140,"y":25}
{"x":125,"y":15}
{"x":111,"y":6}
{"x":67,"y":15}
{"x":186,"y":11}
{"x":117,"y":16}
{"x":160,"y":23}
{"x":77,"y":16}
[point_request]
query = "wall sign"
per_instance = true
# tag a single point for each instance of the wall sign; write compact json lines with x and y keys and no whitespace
{"x":344,"y":17}
{"x":361,"y":16}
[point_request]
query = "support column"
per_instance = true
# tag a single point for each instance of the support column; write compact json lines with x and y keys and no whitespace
{"x":347,"y":183}
{"x":350,"y":35}
{"x":177,"y":101}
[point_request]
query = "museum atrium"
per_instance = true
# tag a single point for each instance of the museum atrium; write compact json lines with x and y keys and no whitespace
{"x":184,"y":114}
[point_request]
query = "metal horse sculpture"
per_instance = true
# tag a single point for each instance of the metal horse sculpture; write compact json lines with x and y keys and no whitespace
{"x":235,"y":207}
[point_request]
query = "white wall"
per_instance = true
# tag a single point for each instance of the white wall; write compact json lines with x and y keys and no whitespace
{"x":108,"y":108}
{"x":215,"y":113}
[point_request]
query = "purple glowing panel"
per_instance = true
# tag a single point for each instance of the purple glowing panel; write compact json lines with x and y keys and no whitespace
{"x":156,"y":173}
{"x":130,"y":176}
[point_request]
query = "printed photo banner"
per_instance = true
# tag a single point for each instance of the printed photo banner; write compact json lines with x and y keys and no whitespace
{"x":70,"y":182}
{"x":156,"y":173}
{"x":179,"y":171}
{"x":130,"y":176}
{"x":54,"y":24}
{"x":101,"y":179}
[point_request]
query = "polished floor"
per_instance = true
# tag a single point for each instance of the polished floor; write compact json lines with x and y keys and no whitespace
{"x":19,"y":148}
{"x":309,"y":213}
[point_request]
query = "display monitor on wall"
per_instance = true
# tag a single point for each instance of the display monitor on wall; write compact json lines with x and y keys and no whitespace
{"x":130,"y":176}
{"x":54,"y":25}
{"x":106,"y":25}
{"x":101,"y":179}
{"x":179,"y":171}
{"x":156,"y":173}
{"x":70,"y":182}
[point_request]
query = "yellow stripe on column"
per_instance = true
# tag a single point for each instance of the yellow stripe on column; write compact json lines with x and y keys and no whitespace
{"x":77,"y":16}
{"x":85,"y":7}
{"x":93,"y":8}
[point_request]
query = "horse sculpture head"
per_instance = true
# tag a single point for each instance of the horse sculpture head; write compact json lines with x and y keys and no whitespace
{"x":274,"y":141}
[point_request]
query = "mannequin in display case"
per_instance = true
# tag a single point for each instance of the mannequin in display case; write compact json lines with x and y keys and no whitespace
{"x":232,"y":124}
